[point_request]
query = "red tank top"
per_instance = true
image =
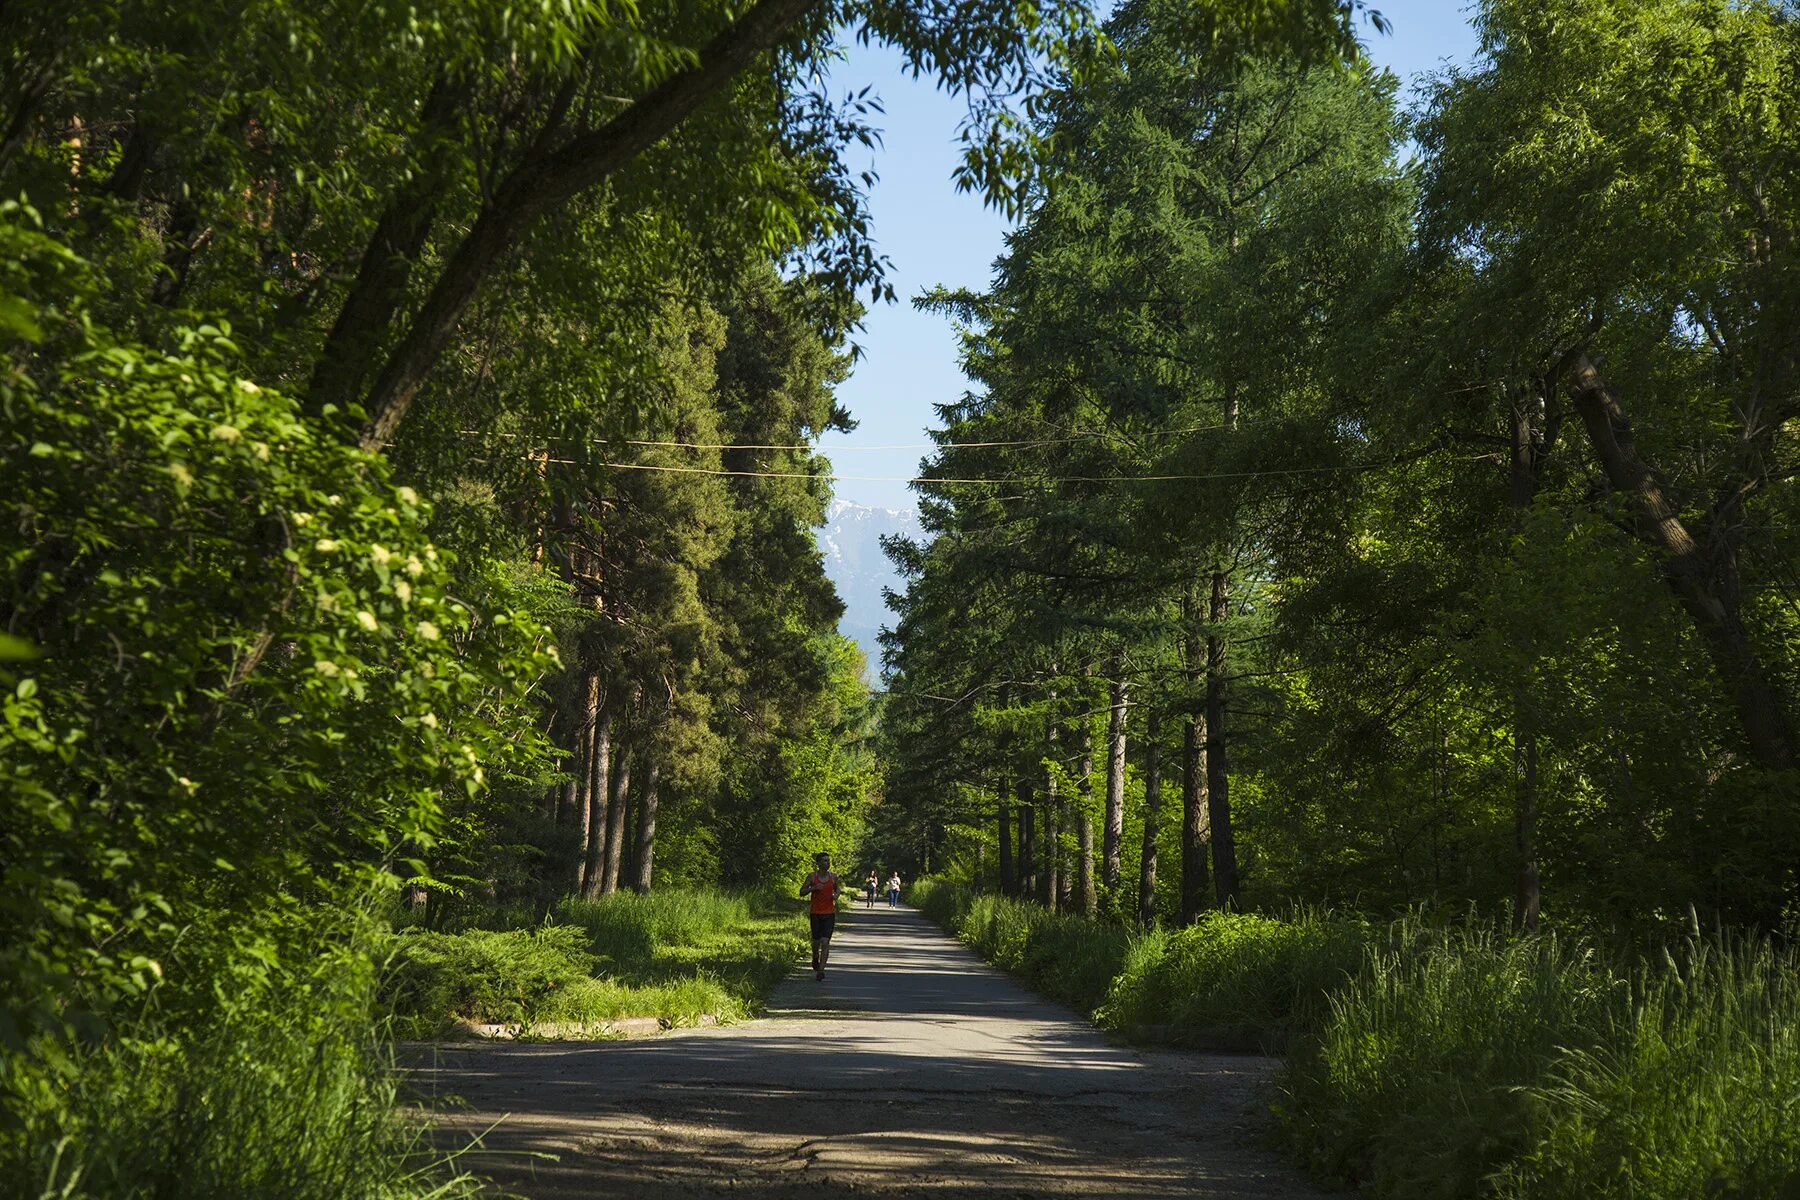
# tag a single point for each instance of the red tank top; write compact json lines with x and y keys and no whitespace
{"x":825,"y":892}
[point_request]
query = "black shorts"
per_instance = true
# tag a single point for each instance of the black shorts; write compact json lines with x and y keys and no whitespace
{"x":822,"y":925}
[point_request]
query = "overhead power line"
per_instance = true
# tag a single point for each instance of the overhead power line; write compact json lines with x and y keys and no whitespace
{"x":997,"y":479}
{"x":1049,"y":440}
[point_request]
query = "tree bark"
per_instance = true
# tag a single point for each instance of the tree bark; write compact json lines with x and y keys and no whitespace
{"x":580,"y":806}
{"x":1152,"y":815}
{"x":545,"y":182}
{"x":1004,"y":818}
{"x":599,"y":804}
{"x":1112,"y":848}
{"x":1218,"y":778}
{"x":552,"y":803}
{"x":1527,"y":899}
{"x":1084,"y":822}
{"x":1194,"y":884}
{"x":618,"y":802}
{"x":1050,"y":852}
{"x":1527,"y":888}
{"x":383,"y":276}
{"x":646,"y":828}
{"x":1705,"y":584}
{"x":25,"y":107}
{"x":1027,"y":837}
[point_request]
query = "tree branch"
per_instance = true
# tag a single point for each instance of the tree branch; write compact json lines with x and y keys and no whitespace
{"x":538,"y":185}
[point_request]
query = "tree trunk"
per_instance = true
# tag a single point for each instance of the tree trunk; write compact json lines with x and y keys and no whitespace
{"x":581,"y":772}
{"x":1004,"y":818}
{"x":1194,"y":884}
{"x":551,"y":806}
{"x":1527,"y":890}
{"x":1050,"y":853}
{"x":24,"y":109}
{"x":1152,"y":814}
{"x":618,"y":802}
{"x":1705,"y":584}
{"x":384,"y":275}
{"x":542,"y":183}
{"x":1527,"y":898}
{"x":599,"y":804}
{"x":1218,"y":779}
{"x":646,"y":828}
{"x":1084,"y":822}
{"x":1027,"y":838}
{"x":1112,"y":849}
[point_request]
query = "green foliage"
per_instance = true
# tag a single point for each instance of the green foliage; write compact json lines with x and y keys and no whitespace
{"x":1233,"y":979}
{"x":677,"y":955}
{"x":1418,"y":1085}
{"x":627,"y":927}
{"x":1459,"y":1063}
{"x":510,"y":977}
{"x":243,"y":626}
{"x":287,"y":1091}
{"x":1693,"y":1090}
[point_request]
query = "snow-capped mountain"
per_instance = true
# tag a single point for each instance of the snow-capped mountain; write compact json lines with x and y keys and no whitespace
{"x":851,"y":542}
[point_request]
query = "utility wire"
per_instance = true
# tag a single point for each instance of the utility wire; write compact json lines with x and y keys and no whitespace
{"x":998,"y":478}
{"x":813,"y":446}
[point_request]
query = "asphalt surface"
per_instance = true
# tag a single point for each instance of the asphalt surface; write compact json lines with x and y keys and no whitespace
{"x":913,"y":1070}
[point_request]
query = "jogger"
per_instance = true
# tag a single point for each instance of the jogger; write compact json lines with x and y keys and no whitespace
{"x":824,"y":889}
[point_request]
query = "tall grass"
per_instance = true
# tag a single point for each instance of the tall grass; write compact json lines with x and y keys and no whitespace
{"x":626,"y":927}
{"x":512,"y":977}
{"x":1438,"y":1062}
{"x":1236,"y":981}
{"x":678,"y":956}
{"x":1693,"y":1090}
{"x":1461,"y":1063}
{"x":277,"y":1098}
{"x":1417,"y":1084}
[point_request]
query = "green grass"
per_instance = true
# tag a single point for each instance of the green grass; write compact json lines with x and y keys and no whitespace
{"x":676,"y":956}
{"x":1419,"y":1082}
{"x":1463,"y":1063}
{"x":1693,"y":1089}
{"x":1235,"y":981}
{"x":1438,"y":1062}
{"x":289,"y":1096}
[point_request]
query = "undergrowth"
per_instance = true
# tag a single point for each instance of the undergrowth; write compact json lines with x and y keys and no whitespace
{"x":287,"y":1091}
{"x":1234,"y":980}
{"x":677,"y":956}
{"x":1436,"y":1061}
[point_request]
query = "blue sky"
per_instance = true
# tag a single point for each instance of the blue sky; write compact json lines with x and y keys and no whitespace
{"x":935,"y":235}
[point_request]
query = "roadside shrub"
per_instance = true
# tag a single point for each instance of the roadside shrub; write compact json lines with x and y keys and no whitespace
{"x":942,"y":901}
{"x":1237,"y":980}
{"x":505,"y":978}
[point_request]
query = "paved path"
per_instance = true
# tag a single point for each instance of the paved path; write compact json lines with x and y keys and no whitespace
{"x":914,"y":1070}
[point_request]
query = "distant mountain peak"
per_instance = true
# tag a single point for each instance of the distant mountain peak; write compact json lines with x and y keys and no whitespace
{"x":850,"y":540}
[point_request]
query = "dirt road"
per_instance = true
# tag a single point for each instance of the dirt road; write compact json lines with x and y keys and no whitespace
{"x":914,"y":1070}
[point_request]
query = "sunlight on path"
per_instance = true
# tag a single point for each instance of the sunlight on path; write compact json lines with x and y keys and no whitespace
{"x":913,"y":1070}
